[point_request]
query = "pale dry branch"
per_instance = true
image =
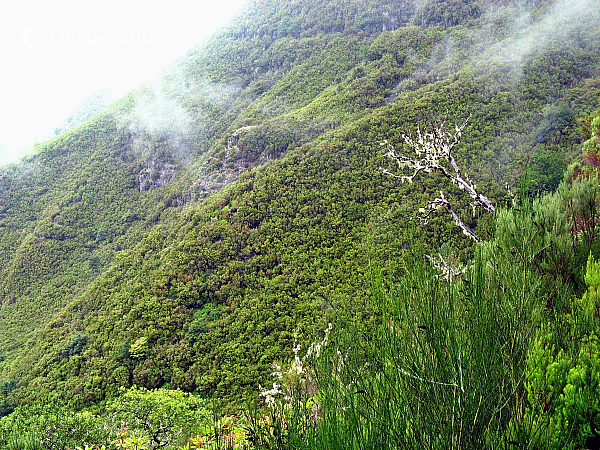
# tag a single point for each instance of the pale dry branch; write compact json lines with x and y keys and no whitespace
{"x":441,"y":202}
{"x":434,"y":154}
{"x":433,"y":151}
{"x":447,"y":271}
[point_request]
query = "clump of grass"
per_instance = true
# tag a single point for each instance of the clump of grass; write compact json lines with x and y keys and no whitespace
{"x":26,"y":441}
{"x":446,"y":364}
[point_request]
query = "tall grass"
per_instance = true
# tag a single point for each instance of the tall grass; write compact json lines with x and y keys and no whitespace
{"x":446,"y":365}
{"x":24,"y":441}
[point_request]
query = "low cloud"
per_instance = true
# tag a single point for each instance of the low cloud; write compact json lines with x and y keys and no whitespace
{"x":530,"y":36}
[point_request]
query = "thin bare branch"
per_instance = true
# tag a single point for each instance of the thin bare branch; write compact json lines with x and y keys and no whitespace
{"x":447,"y":271}
{"x":441,"y":202}
{"x":433,"y":151}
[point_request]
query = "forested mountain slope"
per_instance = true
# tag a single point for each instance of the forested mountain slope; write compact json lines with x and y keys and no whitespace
{"x":184,"y":236}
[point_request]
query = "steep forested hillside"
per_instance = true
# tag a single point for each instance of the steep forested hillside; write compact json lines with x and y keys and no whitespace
{"x":187,"y":235}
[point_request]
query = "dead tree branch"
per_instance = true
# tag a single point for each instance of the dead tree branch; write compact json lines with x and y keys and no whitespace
{"x":432,"y":149}
{"x":440,"y":202}
{"x":447,"y":271}
{"x":434,"y":154}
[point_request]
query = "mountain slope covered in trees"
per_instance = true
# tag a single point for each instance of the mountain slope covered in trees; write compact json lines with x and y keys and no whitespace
{"x":188,"y":235}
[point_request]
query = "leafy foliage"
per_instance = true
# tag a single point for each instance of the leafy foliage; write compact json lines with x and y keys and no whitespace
{"x":562,"y":381}
{"x":161,"y":417}
{"x":190,"y":251}
{"x":461,"y":363}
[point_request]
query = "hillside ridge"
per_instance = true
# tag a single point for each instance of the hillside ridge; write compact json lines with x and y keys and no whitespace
{"x":186,"y":236}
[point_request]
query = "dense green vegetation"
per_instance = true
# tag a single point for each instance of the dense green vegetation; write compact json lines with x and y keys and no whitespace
{"x":187,"y":236}
{"x":504,"y":355}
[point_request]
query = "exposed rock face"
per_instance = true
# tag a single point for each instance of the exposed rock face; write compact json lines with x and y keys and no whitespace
{"x":233,"y":140}
{"x":212,"y":179}
{"x":156,"y":174}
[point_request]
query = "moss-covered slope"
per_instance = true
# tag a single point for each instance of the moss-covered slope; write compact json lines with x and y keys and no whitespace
{"x":186,"y":235}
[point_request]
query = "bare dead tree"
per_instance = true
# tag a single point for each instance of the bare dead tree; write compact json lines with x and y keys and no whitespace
{"x":446,"y":269}
{"x":440,"y":202}
{"x":434,"y":154}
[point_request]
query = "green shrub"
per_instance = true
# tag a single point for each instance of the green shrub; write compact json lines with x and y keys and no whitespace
{"x":444,"y":368}
{"x":51,"y":427}
{"x":26,"y":441}
{"x":161,"y":417}
{"x":563,"y":379}
{"x":77,"y":344}
{"x":456,"y":364}
{"x":555,"y":120}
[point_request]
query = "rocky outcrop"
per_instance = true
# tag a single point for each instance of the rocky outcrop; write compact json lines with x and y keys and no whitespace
{"x":156,"y":174}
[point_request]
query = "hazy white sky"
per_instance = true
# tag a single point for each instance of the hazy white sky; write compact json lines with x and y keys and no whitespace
{"x":56,"y":53}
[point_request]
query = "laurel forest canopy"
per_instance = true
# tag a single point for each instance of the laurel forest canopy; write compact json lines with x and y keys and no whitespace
{"x":158,"y":260}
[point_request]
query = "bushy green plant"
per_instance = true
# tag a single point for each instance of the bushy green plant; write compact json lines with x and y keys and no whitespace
{"x":159,"y":417}
{"x":77,"y":344}
{"x":52,"y":427}
{"x":591,"y":146}
{"x":555,"y":120}
{"x":444,"y":368}
{"x":24,"y":441}
{"x":564,"y":393}
{"x":563,"y":379}
{"x":581,"y":200}
{"x":452,"y":363}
